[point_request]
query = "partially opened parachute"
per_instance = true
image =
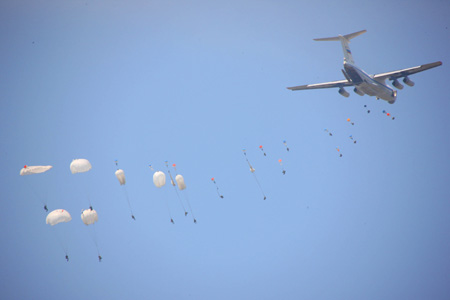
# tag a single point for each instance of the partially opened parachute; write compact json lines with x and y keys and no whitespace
{"x":159,"y":179}
{"x":180,"y":182}
{"x":28,"y":170}
{"x":58,"y":216}
{"x":80,"y":165}
{"x":120,"y":176}
{"x":89,"y":216}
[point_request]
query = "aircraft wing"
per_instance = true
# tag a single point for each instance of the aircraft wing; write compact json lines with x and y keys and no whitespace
{"x":325,"y":85}
{"x":405,"y":72}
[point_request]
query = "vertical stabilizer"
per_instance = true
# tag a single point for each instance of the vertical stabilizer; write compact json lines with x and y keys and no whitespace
{"x":345,"y":40}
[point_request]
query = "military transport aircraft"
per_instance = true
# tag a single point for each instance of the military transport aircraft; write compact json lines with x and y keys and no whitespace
{"x":365,"y":84}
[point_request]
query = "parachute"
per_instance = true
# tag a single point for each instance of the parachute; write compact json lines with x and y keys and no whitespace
{"x":29,"y":170}
{"x":89,"y":216}
{"x":159,"y":179}
{"x":80,"y":165}
{"x":58,"y":216}
{"x":180,"y":182}
{"x":120,"y":176}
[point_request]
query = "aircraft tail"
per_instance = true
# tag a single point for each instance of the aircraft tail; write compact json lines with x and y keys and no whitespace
{"x":345,"y":40}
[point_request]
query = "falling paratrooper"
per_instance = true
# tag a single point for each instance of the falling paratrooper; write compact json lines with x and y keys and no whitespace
{"x":285,"y":144}
{"x":30,"y":170}
{"x":327,"y":131}
{"x":388,"y":114}
{"x":182,"y":187}
{"x":120,"y":174}
{"x":59,"y":216}
{"x":252,"y":170}
{"x":283,"y":170}
{"x":81,"y":165}
{"x":172,"y":182}
{"x":159,"y":180}
{"x":217,"y":187}
{"x":89,"y":217}
{"x":262,"y":149}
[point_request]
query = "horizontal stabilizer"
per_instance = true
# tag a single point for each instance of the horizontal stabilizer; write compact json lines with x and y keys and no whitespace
{"x":348,"y":37}
{"x":345,"y":40}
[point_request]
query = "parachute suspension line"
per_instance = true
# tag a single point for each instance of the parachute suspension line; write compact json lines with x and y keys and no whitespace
{"x":89,"y":199}
{"x":128,"y":200}
{"x":257,"y":181}
{"x":36,"y":194}
{"x":254,"y":175}
{"x":175,"y":187}
{"x":168,"y":207}
{"x":217,"y":188}
{"x":94,"y":238}
{"x":189,"y":205}
{"x":63,"y":245}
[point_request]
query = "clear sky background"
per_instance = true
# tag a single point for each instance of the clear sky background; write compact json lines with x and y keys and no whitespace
{"x":194,"y":83}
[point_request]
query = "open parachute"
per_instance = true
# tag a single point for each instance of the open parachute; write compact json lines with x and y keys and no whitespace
{"x":80,"y":165}
{"x":58,"y":216}
{"x":89,"y":216}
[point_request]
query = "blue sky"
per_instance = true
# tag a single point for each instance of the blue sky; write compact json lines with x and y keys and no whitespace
{"x":194,"y":83}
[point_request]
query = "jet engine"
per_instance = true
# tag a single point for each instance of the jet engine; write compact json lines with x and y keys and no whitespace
{"x":343,"y":92}
{"x":397,"y":84}
{"x":358,"y":92}
{"x":408,"y":81}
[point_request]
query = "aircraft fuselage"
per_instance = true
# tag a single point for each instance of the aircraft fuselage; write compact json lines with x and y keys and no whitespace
{"x":369,"y":86}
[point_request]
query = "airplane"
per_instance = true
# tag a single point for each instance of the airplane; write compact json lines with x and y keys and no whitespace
{"x":365,"y":84}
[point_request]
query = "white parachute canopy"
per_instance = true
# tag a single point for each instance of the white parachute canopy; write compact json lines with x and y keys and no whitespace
{"x":58,"y":216}
{"x":89,"y":216}
{"x":80,"y":165}
{"x":28,"y":170}
{"x":120,"y":176}
{"x":180,"y":182}
{"x":159,"y":179}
